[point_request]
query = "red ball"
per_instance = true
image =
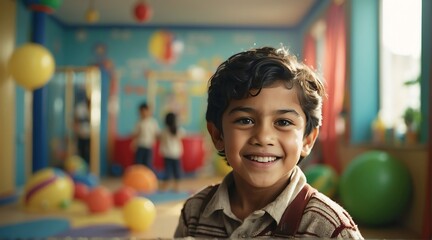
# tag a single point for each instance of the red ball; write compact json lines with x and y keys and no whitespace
{"x":142,"y":12}
{"x":81,"y":191}
{"x":123,"y":195}
{"x":99,"y":200}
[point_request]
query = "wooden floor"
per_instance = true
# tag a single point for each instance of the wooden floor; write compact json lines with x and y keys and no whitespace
{"x":168,"y":214}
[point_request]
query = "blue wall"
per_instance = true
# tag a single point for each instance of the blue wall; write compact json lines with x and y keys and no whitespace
{"x":364,"y":67}
{"x":128,"y":50}
{"x":426,"y":69}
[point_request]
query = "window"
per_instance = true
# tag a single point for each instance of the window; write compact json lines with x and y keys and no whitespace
{"x":400,"y":65}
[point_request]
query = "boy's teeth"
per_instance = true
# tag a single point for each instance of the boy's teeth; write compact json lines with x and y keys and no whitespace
{"x":263,"y":159}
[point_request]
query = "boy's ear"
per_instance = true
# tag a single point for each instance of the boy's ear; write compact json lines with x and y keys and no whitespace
{"x":309,"y":141}
{"x":216,"y":136}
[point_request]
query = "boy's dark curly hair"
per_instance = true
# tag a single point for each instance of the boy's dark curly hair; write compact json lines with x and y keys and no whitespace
{"x":259,"y":68}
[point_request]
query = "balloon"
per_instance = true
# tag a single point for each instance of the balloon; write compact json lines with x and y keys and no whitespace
{"x":92,"y":16}
{"x":142,"y":12}
{"x":48,"y":189}
{"x":31,"y":65}
{"x":139,"y":213}
{"x":375,"y":188}
{"x":164,"y":47}
{"x":47,"y":6}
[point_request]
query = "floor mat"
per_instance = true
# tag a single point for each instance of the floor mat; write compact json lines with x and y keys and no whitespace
{"x":166,"y":196}
{"x":41,"y":228}
{"x":100,"y":231}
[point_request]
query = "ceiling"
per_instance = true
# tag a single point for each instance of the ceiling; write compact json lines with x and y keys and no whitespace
{"x":190,"y":13}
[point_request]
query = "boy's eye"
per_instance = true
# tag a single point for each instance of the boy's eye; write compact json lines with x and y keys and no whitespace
{"x":244,"y":121}
{"x":283,"y":122}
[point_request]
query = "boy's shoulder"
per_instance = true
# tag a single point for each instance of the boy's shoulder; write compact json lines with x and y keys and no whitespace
{"x":202,"y":195}
{"x":325,"y":214}
{"x":195,"y":204}
{"x":327,"y":207}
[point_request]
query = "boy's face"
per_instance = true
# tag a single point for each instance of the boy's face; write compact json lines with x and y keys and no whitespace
{"x":263,"y":136}
{"x":145,"y":112}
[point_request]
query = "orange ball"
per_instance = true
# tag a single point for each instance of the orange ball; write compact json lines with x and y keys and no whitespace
{"x":140,"y":178}
{"x":99,"y":200}
{"x":123,"y":195}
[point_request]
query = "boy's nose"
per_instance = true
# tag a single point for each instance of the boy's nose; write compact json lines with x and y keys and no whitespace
{"x":263,"y":135}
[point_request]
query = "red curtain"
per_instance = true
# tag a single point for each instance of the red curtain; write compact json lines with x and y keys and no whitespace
{"x":334,"y":74}
{"x":309,"y":51}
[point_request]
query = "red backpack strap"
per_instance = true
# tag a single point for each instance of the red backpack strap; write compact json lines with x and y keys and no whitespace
{"x":290,"y":220}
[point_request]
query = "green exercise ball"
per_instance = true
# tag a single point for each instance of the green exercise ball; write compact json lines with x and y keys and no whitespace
{"x":323,"y":178}
{"x":375,"y":188}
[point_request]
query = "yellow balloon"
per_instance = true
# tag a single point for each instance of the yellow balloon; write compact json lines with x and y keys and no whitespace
{"x":92,"y":16}
{"x":31,"y":65}
{"x":139,"y":213}
{"x":157,"y":44}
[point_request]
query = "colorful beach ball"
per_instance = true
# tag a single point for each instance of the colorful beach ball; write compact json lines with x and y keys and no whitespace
{"x":324,"y":178}
{"x":48,"y":189}
{"x":164,"y":47}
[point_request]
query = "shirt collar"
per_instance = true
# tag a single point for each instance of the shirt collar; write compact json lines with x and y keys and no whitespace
{"x":220,"y":200}
{"x":277,"y":208}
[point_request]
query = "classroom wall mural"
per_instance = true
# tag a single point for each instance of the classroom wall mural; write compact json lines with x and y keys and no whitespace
{"x":169,"y":68}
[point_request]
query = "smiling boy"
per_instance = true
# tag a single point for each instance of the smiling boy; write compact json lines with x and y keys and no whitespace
{"x":263,"y":115}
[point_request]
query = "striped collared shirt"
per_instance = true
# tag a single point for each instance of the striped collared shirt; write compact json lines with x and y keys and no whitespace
{"x":322,"y":217}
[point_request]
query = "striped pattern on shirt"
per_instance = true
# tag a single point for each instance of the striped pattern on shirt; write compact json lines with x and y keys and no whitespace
{"x":322,"y":218}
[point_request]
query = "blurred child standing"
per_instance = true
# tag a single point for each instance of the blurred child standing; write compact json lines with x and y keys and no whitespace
{"x":82,"y":129}
{"x":145,"y":135}
{"x":171,"y":149}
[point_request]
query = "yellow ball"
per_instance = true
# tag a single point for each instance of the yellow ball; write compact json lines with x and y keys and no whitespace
{"x":139,"y":214}
{"x":48,"y":189}
{"x":75,"y":165}
{"x":31,"y":65}
{"x":221,"y":166}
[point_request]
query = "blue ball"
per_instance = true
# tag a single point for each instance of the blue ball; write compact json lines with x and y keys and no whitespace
{"x":88,"y":179}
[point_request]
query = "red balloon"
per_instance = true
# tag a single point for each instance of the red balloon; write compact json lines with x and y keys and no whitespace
{"x":99,"y":200}
{"x":142,"y":12}
{"x":123,"y":195}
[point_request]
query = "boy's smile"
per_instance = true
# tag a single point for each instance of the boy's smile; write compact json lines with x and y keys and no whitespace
{"x":263,"y":136}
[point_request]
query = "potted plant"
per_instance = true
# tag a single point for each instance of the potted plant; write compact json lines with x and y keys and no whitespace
{"x":412,"y":118}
